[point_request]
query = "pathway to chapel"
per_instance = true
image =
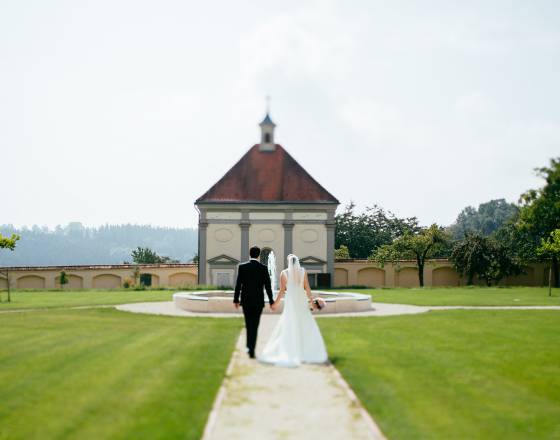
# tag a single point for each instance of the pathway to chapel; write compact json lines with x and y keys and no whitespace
{"x":265,"y":402}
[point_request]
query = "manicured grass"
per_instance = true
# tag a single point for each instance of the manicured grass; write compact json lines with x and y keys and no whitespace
{"x":454,"y":374}
{"x":465,"y":296}
{"x":75,"y":298}
{"x":92,"y":374}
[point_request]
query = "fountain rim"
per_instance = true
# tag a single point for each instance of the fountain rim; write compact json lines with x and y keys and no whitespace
{"x":199,"y":295}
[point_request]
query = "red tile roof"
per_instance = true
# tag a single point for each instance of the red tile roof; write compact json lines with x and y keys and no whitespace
{"x":267,"y":177}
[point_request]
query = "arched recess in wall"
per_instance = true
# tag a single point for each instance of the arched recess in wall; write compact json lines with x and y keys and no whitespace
{"x":106,"y":281}
{"x":371,"y":277}
{"x":149,"y":279}
{"x":407,"y":277}
{"x":74,"y":282}
{"x":340,"y":277}
{"x":445,"y":276}
{"x":183,"y":279}
{"x":30,"y":282}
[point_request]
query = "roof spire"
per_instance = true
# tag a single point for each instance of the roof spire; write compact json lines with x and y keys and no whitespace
{"x":267,"y":130}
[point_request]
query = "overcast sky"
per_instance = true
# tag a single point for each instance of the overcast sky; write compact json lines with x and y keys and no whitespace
{"x":127,"y":111}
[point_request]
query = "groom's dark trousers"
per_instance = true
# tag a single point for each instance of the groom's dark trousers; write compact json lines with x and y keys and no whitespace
{"x":252,"y":281}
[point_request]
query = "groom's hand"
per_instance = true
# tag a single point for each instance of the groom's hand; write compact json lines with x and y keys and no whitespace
{"x":236,"y":305}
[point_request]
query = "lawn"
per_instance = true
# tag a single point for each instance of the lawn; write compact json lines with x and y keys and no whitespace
{"x":75,"y":298}
{"x":465,"y":296}
{"x":102,"y":373}
{"x":454,"y":374}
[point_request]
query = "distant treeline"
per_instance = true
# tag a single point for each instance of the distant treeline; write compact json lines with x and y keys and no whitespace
{"x":75,"y":244}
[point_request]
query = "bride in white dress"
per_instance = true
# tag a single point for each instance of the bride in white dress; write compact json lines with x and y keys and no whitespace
{"x":296,"y":338}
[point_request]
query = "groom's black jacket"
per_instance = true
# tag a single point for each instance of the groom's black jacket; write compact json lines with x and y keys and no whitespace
{"x":252,"y":279}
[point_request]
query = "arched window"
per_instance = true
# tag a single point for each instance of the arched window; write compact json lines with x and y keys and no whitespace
{"x":267,"y":138}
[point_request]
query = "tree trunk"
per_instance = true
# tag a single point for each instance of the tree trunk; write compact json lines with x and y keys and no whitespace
{"x":8,"y":285}
{"x":470,"y":277}
{"x":555,"y":270}
{"x":421,"y":272}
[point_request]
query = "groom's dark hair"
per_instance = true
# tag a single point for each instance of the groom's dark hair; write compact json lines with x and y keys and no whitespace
{"x":255,"y":251}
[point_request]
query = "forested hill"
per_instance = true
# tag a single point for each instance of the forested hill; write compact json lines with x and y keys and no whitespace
{"x":75,"y":244}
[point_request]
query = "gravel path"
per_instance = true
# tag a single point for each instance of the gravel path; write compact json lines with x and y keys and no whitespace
{"x":259,"y":401}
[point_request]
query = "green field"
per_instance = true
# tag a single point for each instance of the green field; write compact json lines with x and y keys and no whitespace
{"x":30,"y":299}
{"x":465,"y":296}
{"x":102,"y":373}
{"x":454,"y":374}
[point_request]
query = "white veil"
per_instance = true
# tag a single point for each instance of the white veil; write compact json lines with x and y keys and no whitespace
{"x":294,"y":270}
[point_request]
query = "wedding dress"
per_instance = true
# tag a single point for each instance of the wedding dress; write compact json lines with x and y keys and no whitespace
{"x":296,"y":337}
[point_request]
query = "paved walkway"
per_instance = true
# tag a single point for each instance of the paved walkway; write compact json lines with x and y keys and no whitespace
{"x":379,"y":309}
{"x":259,"y":401}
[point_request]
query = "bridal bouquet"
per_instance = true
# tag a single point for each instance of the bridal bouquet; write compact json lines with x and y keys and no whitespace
{"x":318,"y":303}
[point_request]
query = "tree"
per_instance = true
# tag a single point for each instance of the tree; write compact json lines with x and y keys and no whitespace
{"x":342,"y":253}
{"x":10,"y":244}
{"x":484,"y":257}
{"x":540,"y":211}
{"x":420,"y":246}
{"x":470,"y":256}
{"x":136,"y":275}
{"x":147,"y":256}
{"x":364,"y":233}
{"x":488,"y":218}
{"x":550,"y":248}
{"x":63,"y":279}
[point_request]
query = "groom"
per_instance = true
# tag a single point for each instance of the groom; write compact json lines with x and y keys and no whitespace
{"x":252,"y":277}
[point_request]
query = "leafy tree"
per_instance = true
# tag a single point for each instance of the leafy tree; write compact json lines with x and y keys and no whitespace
{"x":63,"y":279}
{"x":10,"y":244}
{"x":147,"y":256}
{"x":550,"y":248}
{"x":363,"y":233}
{"x":136,"y":275}
{"x":342,"y":253}
{"x":470,"y":256}
{"x":540,"y":211}
{"x":484,"y":257}
{"x":488,"y":218}
{"x":420,"y":246}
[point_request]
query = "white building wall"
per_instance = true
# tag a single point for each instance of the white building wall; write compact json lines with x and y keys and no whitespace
{"x":310,"y":240}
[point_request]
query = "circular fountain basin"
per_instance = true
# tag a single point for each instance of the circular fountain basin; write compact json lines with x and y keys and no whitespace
{"x":222,"y":302}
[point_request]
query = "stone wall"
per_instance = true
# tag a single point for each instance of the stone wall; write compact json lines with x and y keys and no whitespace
{"x":98,"y":276}
{"x":346,"y":273}
{"x":436,"y":273}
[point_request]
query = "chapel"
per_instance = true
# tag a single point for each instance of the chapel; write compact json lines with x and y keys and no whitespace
{"x":266,"y":199}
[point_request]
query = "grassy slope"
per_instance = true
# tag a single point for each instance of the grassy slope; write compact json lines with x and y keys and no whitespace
{"x":101,"y":373}
{"x":456,"y":374}
{"x":74,"y":298}
{"x":466,"y":296}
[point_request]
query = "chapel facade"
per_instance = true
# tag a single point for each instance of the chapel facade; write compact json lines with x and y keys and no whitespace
{"x":266,"y":199}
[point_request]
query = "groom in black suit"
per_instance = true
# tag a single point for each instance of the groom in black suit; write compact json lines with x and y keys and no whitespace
{"x":252,"y":279}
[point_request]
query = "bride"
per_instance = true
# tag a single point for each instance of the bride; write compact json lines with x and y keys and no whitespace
{"x":296,"y":338}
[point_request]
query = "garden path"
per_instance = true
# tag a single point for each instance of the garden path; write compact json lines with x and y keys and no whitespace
{"x":266,"y":402}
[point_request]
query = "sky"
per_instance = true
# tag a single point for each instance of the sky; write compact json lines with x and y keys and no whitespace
{"x":127,"y":111}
